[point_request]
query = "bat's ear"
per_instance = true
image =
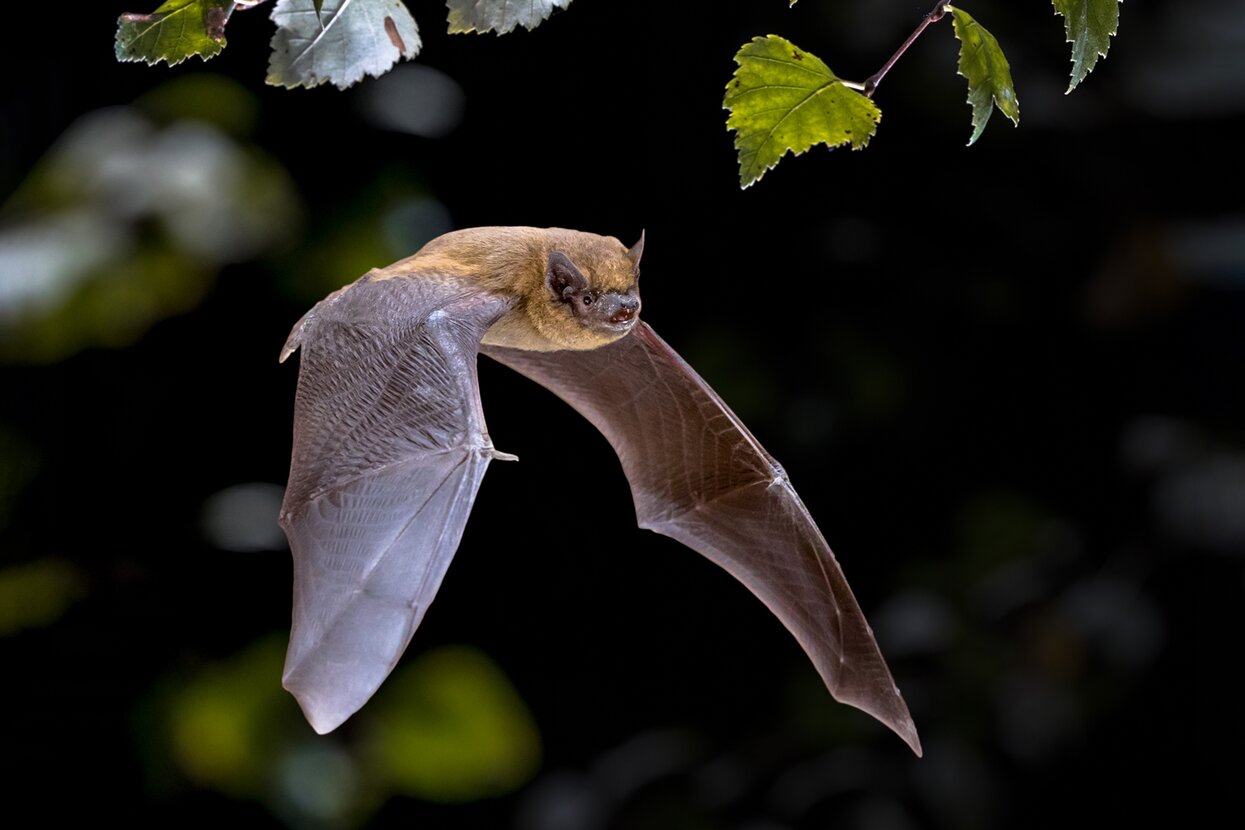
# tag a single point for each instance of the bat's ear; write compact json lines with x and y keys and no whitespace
{"x":635,"y":252}
{"x":562,"y":277}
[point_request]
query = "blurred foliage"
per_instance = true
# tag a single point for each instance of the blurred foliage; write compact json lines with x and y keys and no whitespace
{"x":37,"y":593}
{"x":448,"y":726}
{"x":224,"y":724}
{"x":390,"y":218}
{"x":244,"y":517}
{"x":126,"y":221}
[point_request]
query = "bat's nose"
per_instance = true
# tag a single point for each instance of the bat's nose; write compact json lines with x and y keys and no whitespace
{"x":627,"y":308}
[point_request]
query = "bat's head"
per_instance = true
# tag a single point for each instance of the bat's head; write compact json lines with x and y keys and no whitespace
{"x":592,"y":294}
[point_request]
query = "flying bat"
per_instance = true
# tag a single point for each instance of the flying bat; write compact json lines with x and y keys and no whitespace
{"x":390,"y":447}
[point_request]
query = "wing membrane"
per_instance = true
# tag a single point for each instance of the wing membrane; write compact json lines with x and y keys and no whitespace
{"x":389,"y":450}
{"x":698,"y":476}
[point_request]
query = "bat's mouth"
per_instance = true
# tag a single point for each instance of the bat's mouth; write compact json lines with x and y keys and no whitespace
{"x":615,"y":312}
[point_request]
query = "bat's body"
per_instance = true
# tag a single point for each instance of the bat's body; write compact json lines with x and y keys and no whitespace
{"x":390,"y":446}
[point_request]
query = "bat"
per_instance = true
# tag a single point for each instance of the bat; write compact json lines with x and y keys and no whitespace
{"x":390,"y":446}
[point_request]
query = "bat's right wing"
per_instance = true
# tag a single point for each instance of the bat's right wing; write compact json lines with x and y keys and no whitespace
{"x":389,"y":449}
{"x":699,"y":476}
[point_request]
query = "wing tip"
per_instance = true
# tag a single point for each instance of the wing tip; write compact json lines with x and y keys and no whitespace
{"x":322,"y":716}
{"x":906,"y":730}
{"x":892,"y":712}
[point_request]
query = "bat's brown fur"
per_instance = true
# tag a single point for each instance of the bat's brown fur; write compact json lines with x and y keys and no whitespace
{"x":513,"y":261}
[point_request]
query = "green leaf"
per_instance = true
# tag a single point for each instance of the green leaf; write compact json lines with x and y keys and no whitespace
{"x":784,"y":100}
{"x":177,"y":30}
{"x":989,"y":77}
{"x":340,"y":43}
{"x":1089,"y":25}
{"x":499,"y":16}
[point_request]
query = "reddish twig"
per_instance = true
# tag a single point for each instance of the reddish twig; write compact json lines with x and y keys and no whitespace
{"x":935,"y":14}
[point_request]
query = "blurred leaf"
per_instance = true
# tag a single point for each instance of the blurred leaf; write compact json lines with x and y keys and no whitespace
{"x":37,"y":593}
{"x":783,"y":100}
{"x":450,"y":727}
{"x":499,"y":16}
{"x":203,"y":96}
{"x":174,"y":32}
{"x":1089,"y":25}
{"x":122,"y":224}
{"x":989,"y":77}
{"x":340,"y":42}
{"x":243,"y":518}
{"x":221,"y":724}
{"x":111,"y":304}
{"x":365,"y":233}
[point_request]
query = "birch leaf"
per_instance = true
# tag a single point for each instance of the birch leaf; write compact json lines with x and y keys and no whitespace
{"x":179,"y":29}
{"x":989,"y":77}
{"x":784,"y":100}
{"x":500,"y":16}
{"x":340,"y":43}
{"x":1089,"y":25}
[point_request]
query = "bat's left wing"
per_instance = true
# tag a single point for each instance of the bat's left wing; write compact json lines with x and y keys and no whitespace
{"x":389,"y":449}
{"x":699,"y":476}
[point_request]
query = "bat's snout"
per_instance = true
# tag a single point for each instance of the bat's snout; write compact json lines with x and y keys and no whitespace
{"x":625,"y":309}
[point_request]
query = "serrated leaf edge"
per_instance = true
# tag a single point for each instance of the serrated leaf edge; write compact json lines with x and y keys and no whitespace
{"x":746,"y":183}
{"x":272,"y":80}
{"x":979,"y":129}
{"x":1084,"y":63}
{"x":474,"y":30}
{"x":133,"y":58}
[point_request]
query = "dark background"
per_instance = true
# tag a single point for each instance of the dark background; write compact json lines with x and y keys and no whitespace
{"x":1005,"y":379}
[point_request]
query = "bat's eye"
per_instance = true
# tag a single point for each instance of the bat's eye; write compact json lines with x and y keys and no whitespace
{"x":587,"y":299}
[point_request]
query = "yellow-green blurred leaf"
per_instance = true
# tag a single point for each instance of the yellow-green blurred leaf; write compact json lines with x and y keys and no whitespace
{"x":222,"y":723}
{"x":37,"y":593}
{"x":203,"y":96}
{"x":989,"y":77}
{"x":784,"y":100}
{"x":1089,"y":25}
{"x":450,"y":727}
